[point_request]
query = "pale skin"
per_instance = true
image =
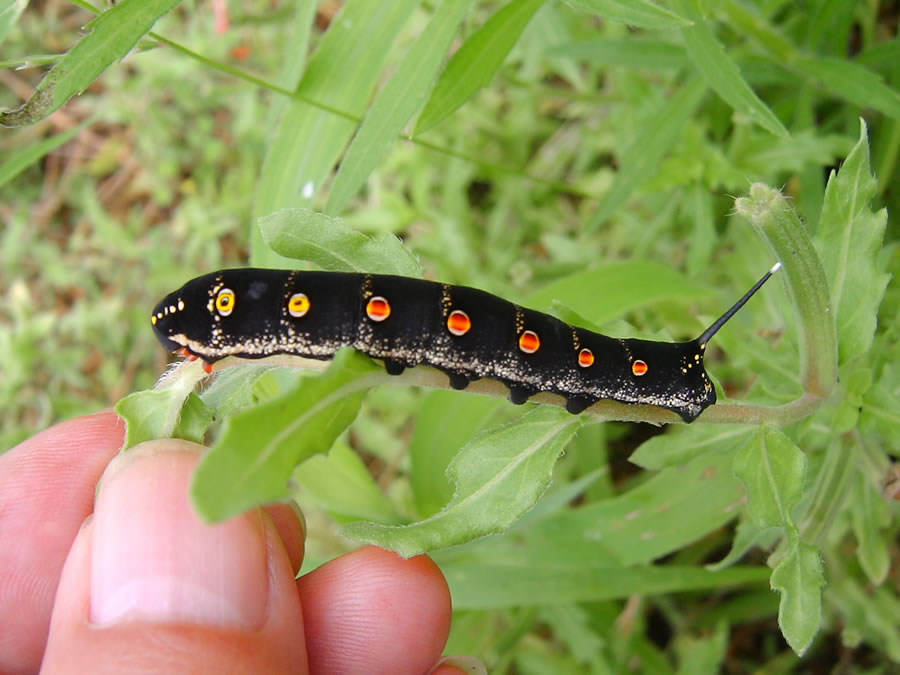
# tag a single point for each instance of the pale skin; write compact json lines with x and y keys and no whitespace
{"x":131,"y":581}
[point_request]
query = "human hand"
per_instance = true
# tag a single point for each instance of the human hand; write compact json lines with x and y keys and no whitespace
{"x":135,"y":582}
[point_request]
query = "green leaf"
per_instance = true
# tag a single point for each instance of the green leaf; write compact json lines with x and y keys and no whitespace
{"x":639,"y":13}
{"x":881,"y":407}
{"x":679,"y":446}
{"x":633,"y":52}
{"x":112,"y":36}
{"x":474,"y":64}
{"x":340,"y":78}
{"x":446,"y":421}
{"x":258,"y":449}
{"x":610,"y":291}
{"x":852,"y":82}
{"x":342,"y":483}
{"x":399,"y":99}
{"x":21,"y":160}
{"x":163,"y":414}
{"x":772,"y":469}
{"x":485,"y":585}
{"x":799,"y":580}
{"x":849,"y":239}
{"x":721,"y":73}
{"x":234,"y":388}
{"x":869,"y":516}
{"x":666,"y":512}
{"x":657,"y":135}
{"x":747,"y":535}
{"x":308,"y":235}
{"x":10,"y":10}
{"x":498,"y":476}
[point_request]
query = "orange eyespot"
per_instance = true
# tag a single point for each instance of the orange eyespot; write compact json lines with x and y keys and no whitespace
{"x":529,"y":342}
{"x":639,"y":367}
{"x":458,"y":322}
{"x":298,"y":305}
{"x":378,"y":308}
{"x":225,"y":301}
{"x":585,"y":358}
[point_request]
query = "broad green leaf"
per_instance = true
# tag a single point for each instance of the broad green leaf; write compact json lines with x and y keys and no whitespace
{"x":163,"y":414}
{"x":679,"y":446}
{"x":499,"y":476}
{"x":656,"y":135}
{"x":849,"y":239}
{"x":10,"y":10}
{"x":870,"y":515}
{"x":308,"y":235}
{"x":234,"y":389}
{"x":702,"y":655}
{"x":633,"y":52}
{"x":484,"y":585}
{"x":343,"y":485}
{"x":446,"y":421}
{"x":747,"y":535}
{"x":112,"y":36}
{"x":799,"y":580}
{"x":30,"y":154}
{"x":639,"y":13}
{"x":720,"y":72}
{"x":400,"y":98}
{"x":258,"y":449}
{"x":868,"y":613}
{"x":881,"y":409}
{"x":772,"y":469}
{"x":474,"y":64}
{"x":340,"y":77}
{"x":614,"y":289}
{"x":852,"y":82}
{"x":787,"y":236}
{"x":668,"y":511}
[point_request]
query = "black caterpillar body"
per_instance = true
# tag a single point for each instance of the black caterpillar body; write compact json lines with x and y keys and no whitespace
{"x":464,"y":332}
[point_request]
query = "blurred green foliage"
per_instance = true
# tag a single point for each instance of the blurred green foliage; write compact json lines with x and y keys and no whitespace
{"x":595,"y":132}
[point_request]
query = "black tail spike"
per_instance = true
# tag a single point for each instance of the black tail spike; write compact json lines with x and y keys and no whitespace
{"x":706,"y":335}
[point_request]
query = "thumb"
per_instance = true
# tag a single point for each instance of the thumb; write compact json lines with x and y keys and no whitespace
{"x":147,"y":587}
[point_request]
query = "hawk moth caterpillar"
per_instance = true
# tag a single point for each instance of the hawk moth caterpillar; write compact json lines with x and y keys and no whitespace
{"x":466,"y":333}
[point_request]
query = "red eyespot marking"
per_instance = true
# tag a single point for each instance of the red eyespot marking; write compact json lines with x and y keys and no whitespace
{"x":529,"y":342}
{"x":378,"y":309}
{"x":639,"y":367}
{"x":207,"y":367}
{"x":458,"y":322}
{"x":585,"y":358}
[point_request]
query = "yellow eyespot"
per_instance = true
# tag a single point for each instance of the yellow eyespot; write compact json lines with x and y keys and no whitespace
{"x":225,"y":301}
{"x":298,"y":305}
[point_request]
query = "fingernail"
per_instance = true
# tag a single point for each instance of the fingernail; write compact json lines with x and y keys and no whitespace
{"x":153,"y":560}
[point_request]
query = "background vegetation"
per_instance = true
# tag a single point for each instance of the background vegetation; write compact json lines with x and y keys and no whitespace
{"x":567,"y":148}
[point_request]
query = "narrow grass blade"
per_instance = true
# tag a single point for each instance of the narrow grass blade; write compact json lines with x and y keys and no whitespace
{"x":653,"y":140}
{"x":112,"y":36}
{"x":721,"y":72}
{"x":308,"y":140}
{"x":20,"y":161}
{"x":475,"y":63}
{"x":639,"y":13}
{"x":399,"y":99}
{"x":10,"y":10}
